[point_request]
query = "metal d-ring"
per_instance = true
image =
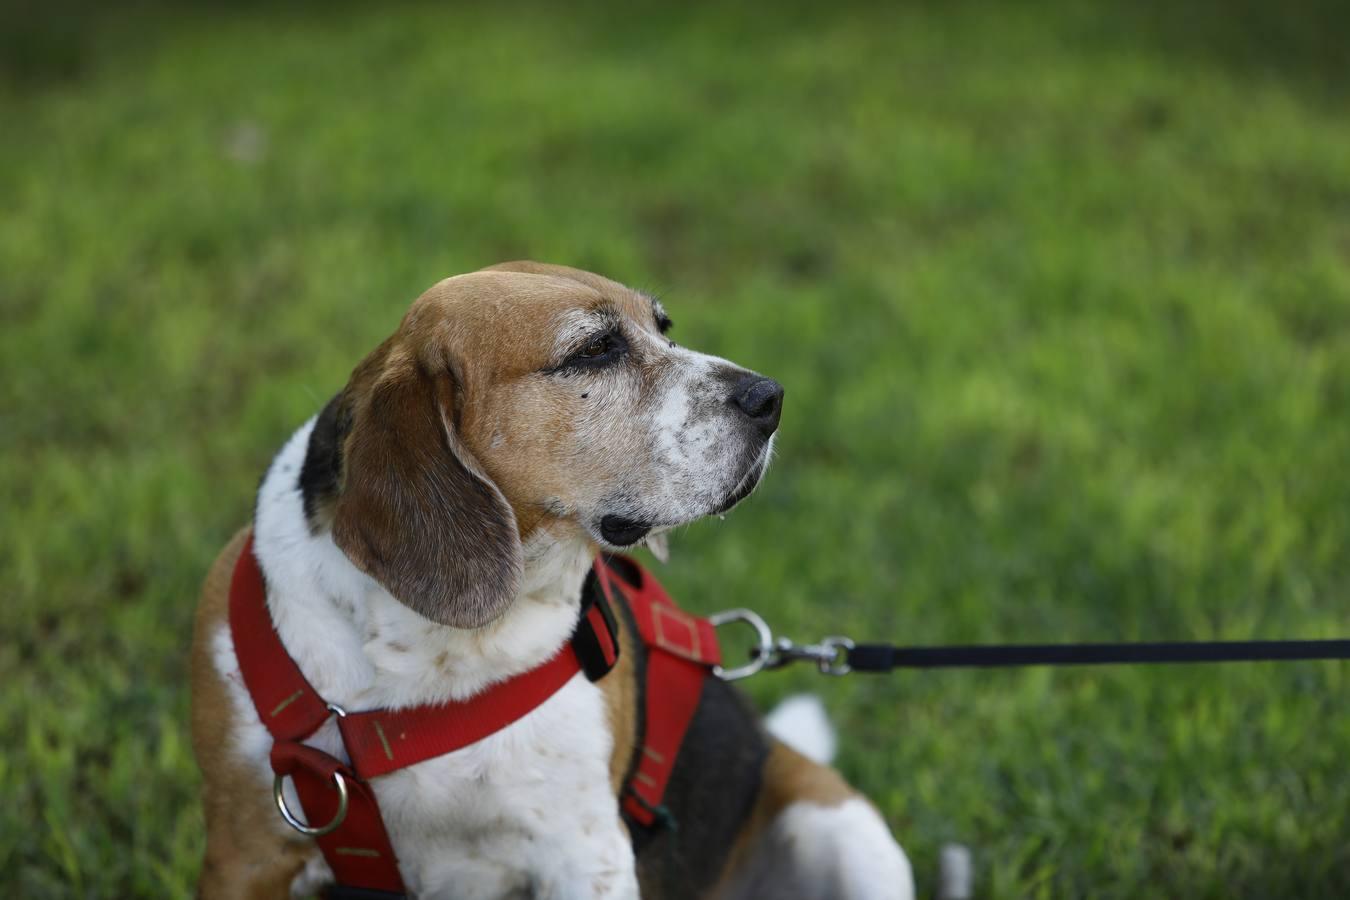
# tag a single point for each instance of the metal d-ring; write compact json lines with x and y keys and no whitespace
{"x":301,"y":827}
{"x":764,"y":651}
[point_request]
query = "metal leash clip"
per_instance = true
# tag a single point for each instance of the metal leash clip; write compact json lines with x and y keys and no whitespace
{"x":830,"y":655}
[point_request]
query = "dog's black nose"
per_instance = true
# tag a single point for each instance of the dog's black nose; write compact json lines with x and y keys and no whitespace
{"x":761,"y":399}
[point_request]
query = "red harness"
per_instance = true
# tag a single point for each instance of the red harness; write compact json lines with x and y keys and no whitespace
{"x":680,"y":651}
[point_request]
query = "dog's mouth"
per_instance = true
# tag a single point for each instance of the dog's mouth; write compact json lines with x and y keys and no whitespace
{"x":749,"y":481}
{"x":622,"y":531}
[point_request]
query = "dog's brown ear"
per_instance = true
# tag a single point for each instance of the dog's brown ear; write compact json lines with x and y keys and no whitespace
{"x":415,"y":510}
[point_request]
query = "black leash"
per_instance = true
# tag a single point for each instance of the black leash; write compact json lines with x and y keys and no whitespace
{"x":837,"y":655}
{"x":886,"y":657}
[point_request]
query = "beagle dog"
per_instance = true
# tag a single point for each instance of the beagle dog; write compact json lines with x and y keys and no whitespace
{"x":428,"y":534}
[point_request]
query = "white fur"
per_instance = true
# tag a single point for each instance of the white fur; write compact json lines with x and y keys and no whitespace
{"x":526,"y":812}
{"x":673,"y":454}
{"x":814,"y":852}
{"x":801,"y":723}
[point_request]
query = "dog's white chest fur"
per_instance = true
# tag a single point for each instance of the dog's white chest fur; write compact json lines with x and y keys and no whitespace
{"x":527,"y":812}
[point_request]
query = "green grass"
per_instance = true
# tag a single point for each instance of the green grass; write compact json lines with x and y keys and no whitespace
{"x":1061,"y":298}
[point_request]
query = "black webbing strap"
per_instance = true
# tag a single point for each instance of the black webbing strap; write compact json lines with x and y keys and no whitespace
{"x":885,"y":657}
{"x":598,"y":652}
{"x":342,"y":892}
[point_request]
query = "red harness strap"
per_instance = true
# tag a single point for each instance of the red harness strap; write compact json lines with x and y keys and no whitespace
{"x":681,"y":651}
{"x":358,"y":850}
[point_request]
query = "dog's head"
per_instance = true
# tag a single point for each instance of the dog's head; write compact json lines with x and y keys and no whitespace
{"x":520,"y":398}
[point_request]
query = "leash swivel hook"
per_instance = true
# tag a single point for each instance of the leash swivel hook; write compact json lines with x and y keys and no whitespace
{"x":830,"y":655}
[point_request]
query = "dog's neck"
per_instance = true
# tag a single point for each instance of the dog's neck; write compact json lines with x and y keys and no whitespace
{"x":359,"y":647}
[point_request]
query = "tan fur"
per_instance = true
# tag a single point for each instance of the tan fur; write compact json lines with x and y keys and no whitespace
{"x":620,"y":689}
{"x":483,"y":331}
{"x":502,"y":406}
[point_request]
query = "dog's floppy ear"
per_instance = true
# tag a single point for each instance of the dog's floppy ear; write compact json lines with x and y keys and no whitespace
{"x":415,"y":511}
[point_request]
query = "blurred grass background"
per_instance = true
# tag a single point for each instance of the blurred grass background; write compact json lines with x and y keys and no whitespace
{"x":1060,"y":294}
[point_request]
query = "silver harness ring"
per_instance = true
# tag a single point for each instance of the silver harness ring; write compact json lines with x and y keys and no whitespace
{"x":279,"y":796}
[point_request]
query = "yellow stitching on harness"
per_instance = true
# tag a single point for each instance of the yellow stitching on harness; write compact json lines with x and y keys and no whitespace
{"x":287,"y":702}
{"x":384,"y":741}
{"x":662,"y":614}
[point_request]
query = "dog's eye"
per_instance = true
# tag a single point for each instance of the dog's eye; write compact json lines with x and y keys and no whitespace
{"x":597,"y":348}
{"x":600,"y":350}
